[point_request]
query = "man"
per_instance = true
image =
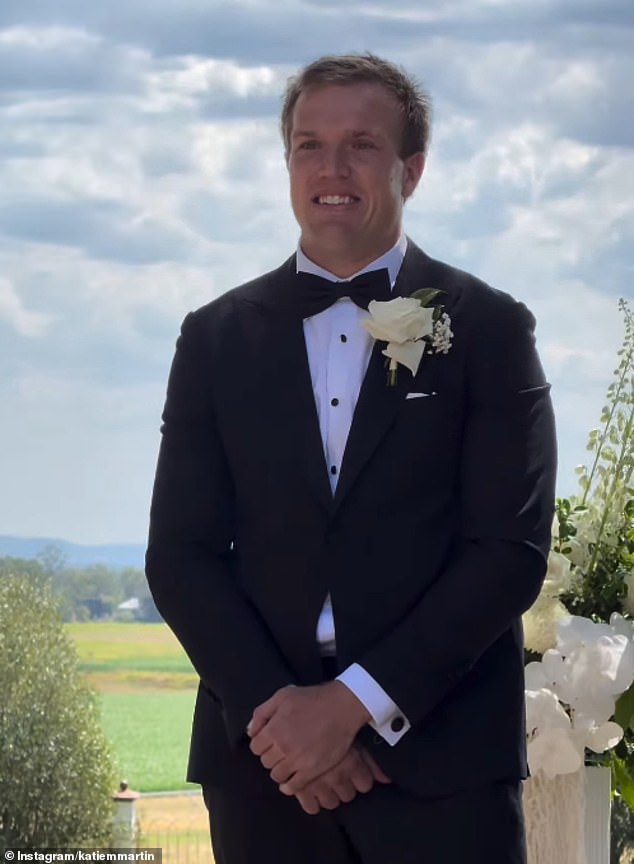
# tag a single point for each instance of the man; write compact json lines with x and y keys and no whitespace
{"x":315,"y":519}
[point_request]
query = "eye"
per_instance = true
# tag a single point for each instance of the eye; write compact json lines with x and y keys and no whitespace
{"x":310,"y":144}
{"x":363,"y":144}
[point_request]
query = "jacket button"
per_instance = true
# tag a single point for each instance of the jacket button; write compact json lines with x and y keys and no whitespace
{"x":397,"y":724}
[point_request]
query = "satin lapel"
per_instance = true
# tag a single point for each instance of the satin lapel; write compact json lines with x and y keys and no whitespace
{"x":375,"y":412}
{"x":379,"y":403}
{"x":276,"y":337}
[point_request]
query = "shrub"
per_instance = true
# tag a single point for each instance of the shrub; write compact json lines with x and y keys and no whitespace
{"x":56,"y":777}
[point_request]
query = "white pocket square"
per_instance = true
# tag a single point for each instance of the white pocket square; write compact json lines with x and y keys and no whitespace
{"x":420,"y":395}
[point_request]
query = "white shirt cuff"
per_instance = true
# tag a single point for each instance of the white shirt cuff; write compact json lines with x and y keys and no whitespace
{"x":387,"y":718}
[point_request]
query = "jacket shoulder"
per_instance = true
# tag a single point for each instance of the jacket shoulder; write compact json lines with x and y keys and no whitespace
{"x":472,"y":292}
{"x":472,"y":302}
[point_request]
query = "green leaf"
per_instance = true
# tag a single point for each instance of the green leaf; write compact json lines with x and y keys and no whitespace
{"x":426,"y":295}
{"x":623,"y":781}
{"x":625,"y":708}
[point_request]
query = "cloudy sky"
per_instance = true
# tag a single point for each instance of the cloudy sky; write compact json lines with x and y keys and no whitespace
{"x":141,"y":174}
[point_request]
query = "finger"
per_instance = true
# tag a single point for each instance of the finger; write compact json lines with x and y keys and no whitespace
{"x":258,"y":721}
{"x":310,"y":769}
{"x":261,"y":742}
{"x":272,"y":757}
{"x":346,"y":791}
{"x":351,"y":775}
{"x":308,"y":803}
{"x":326,"y":796}
{"x":299,"y":780}
{"x":283,"y":773}
{"x":263,"y":714}
{"x":361,"y":777}
{"x":377,"y":773}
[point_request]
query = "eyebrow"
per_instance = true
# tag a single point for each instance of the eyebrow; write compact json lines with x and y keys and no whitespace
{"x":355,"y":133}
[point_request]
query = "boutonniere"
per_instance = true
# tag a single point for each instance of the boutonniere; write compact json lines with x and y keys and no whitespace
{"x":409,"y":325}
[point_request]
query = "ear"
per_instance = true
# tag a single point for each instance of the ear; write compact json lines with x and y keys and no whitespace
{"x":413,"y":168}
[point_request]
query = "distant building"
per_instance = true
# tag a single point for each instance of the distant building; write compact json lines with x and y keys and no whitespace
{"x":133,"y":604}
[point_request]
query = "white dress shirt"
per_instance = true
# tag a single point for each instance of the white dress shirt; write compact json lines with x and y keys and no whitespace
{"x":339,"y":349}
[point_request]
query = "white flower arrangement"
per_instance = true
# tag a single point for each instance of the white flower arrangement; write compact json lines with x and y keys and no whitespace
{"x":571,"y":693}
{"x":580,"y":694}
{"x":409,"y":326}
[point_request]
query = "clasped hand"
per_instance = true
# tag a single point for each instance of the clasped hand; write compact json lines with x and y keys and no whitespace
{"x":304,"y":737}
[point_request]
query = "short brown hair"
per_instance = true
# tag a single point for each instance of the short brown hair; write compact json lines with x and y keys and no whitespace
{"x":362,"y":69}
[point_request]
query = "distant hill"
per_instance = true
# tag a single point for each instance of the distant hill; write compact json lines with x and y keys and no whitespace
{"x":116,"y":556}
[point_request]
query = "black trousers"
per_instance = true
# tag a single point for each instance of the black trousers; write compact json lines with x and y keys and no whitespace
{"x":385,"y":826}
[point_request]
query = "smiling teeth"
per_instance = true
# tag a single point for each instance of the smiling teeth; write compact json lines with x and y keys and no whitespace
{"x":335,"y":199}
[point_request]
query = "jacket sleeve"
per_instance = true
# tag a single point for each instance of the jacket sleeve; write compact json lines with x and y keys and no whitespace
{"x":507,"y":488}
{"x":189,"y":560}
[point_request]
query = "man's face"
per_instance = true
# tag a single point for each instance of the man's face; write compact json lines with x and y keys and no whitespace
{"x":348,"y":182}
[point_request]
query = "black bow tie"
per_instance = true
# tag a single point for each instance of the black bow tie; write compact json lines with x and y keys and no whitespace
{"x":314,"y":294}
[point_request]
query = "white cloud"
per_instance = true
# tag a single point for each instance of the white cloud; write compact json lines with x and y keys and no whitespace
{"x":63,"y":38}
{"x":142,"y":175}
{"x":24,"y":321}
{"x":193,"y":76}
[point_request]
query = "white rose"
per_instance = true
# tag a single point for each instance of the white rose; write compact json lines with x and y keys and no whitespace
{"x":408,"y":354}
{"x":399,"y":320}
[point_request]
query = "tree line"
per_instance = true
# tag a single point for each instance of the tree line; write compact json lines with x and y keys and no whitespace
{"x":86,"y":593}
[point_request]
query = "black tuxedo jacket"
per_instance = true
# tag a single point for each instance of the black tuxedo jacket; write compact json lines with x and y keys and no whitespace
{"x":433,"y":545}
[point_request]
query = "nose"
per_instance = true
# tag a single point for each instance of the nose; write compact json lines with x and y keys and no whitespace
{"x":334,"y":162}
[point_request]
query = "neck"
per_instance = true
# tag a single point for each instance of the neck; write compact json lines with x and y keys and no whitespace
{"x":343,"y":263}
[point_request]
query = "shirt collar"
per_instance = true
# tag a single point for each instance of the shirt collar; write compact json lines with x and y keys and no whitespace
{"x":392,"y":260}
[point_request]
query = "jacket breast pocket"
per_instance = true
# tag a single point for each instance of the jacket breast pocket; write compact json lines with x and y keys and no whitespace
{"x":425,"y":442}
{"x":429,"y":415}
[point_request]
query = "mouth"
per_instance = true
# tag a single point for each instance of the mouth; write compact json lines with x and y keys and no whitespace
{"x":335,"y":200}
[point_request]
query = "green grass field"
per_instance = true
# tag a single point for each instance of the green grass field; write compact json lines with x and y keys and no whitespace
{"x":149,"y":734}
{"x":118,"y":648}
{"x":147,"y":689}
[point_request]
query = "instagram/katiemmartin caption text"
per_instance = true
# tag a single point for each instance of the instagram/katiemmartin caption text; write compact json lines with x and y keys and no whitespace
{"x":48,"y":856}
